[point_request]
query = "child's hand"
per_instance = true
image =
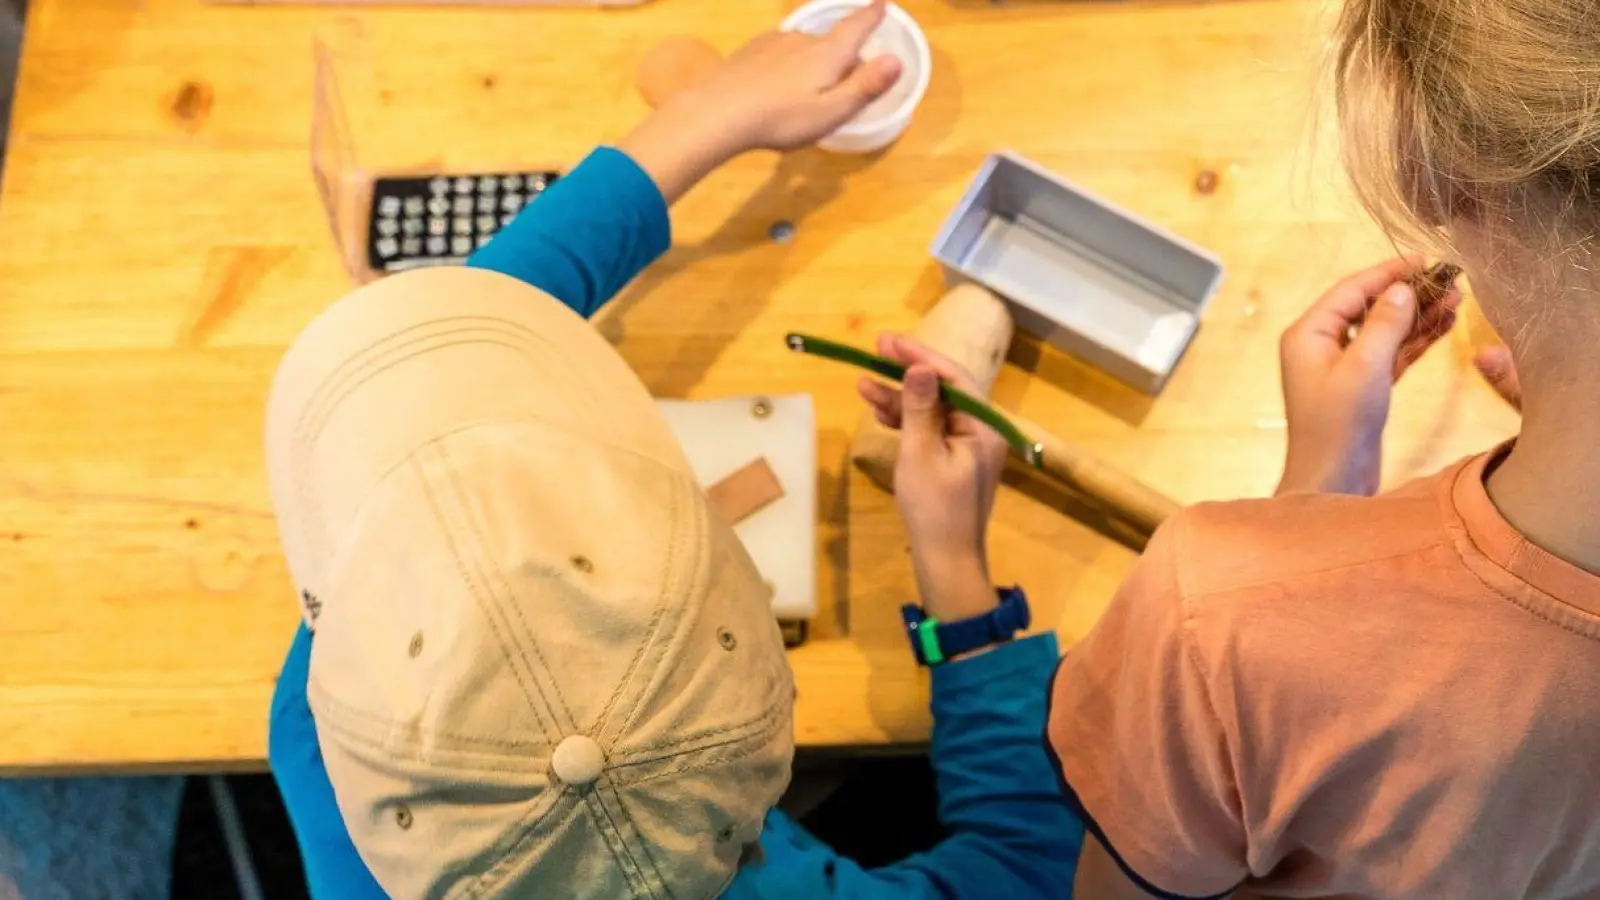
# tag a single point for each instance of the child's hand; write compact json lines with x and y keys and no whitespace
{"x":944,"y":481}
{"x":780,"y":91}
{"x":784,"y":90}
{"x":1336,"y":396}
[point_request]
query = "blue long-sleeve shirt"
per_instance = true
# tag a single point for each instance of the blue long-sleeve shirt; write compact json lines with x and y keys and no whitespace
{"x":1012,"y":836}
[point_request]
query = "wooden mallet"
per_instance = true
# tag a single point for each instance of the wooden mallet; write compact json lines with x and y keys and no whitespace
{"x":973,"y":327}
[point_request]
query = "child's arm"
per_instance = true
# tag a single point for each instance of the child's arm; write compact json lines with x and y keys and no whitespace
{"x":1011,"y":834}
{"x":584,"y":239}
{"x":594,"y":230}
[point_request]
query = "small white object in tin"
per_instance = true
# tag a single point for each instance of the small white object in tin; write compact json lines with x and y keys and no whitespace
{"x":886,"y":118}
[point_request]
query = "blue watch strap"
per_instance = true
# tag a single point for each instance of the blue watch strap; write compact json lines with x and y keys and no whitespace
{"x":933,"y":641}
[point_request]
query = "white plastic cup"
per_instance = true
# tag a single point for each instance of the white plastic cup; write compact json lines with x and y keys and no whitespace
{"x":886,"y":118}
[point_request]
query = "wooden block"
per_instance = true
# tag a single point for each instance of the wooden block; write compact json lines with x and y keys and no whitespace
{"x":745,"y":491}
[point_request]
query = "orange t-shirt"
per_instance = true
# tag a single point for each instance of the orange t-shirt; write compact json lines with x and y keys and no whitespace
{"x":1328,"y":696}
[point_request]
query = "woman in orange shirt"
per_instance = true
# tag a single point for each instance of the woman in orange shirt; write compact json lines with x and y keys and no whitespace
{"x":1339,"y":695}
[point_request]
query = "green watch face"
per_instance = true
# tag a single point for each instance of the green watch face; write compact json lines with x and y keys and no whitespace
{"x":927,"y":634}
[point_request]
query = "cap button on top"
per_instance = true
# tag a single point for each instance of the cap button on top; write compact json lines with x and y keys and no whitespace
{"x":577,"y":760}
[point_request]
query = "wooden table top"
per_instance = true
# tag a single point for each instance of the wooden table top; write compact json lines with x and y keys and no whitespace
{"x":161,"y":242}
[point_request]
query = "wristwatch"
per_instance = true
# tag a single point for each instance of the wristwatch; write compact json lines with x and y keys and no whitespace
{"x":933,"y":641}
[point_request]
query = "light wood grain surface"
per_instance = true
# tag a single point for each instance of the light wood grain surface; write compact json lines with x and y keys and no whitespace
{"x":161,"y":243}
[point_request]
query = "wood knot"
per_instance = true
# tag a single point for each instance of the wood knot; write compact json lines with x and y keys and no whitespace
{"x":192,"y":105}
{"x":1205,"y":182}
{"x":489,"y":81}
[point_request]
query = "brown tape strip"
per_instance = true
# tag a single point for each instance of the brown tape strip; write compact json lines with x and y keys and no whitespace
{"x":746,"y":491}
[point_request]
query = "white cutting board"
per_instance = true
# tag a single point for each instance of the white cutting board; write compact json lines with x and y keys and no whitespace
{"x":722,"y":436}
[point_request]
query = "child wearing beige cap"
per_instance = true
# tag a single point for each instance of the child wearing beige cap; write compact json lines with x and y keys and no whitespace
{"x":535,"y":661}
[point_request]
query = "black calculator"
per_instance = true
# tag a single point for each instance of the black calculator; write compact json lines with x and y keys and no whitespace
{"x":440,"y":220}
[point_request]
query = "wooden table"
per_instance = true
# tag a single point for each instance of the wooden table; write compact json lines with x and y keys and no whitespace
{"x":161,"y":243}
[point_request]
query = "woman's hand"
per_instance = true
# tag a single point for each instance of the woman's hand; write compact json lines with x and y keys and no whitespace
{"x":780,"y":91}
{"x":1336,"y":389}
{"x":944,"y":480}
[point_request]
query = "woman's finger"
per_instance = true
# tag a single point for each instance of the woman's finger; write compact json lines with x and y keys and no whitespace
{"x":1345,"y":304}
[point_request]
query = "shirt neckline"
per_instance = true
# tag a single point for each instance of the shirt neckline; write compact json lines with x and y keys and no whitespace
{"x":1547,"y":579}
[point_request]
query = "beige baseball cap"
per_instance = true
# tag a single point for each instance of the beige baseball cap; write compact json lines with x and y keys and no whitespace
{"x":543,"y":665}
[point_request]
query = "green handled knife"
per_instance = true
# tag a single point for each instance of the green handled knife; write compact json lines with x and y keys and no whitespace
{"x":1031,"y":452}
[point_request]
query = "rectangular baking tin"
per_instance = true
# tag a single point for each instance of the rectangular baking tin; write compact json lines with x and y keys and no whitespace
{"x":1092,"y":279}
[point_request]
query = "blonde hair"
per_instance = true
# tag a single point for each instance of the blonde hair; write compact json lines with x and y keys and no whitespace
{"x":1485,"y":111}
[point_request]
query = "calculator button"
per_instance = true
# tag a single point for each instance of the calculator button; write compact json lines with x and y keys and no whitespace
{"x":485,"y":224}
{"x":462,"y":225}
{"x":389,"y":206}
{"x":463,"y":185}
{"x":486,"y":184}
{"x":411,"y":246}
{"x":387,"y":247}
{"x":484,"y":239}
{"x":511,"y":183}
{"x":485,"y":203}
{"x":413,"y":206}
{"x":437,"y":226}
{"x":438,"y":206}
{"x":463,"y":205}
{"x":440,"y":185}
{"x":511,"y":202}
{"x":461,"y":246}
{"x":535,"y":183}
{"x":436,"y":246}
{"x":388,"y":227}
{"x":411,"y":226}
{"x":506,"y":219}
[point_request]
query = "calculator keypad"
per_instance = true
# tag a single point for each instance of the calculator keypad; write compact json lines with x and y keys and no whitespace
{"x":417,"y":222}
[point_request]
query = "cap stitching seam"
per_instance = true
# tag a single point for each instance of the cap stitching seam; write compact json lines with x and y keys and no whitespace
{"x":525,"y":833}
{"x":507,"y":601}
{"x":367,"y":363}
{"x":324,"y":697}
{"x":357,"y":370}
{"x":674,"y":548}
{"x":742,"y":746}
{"x":473,"y":589}
{"x":643,"y":844}
{"x":756,"y":725}
{"x":618,"y":844}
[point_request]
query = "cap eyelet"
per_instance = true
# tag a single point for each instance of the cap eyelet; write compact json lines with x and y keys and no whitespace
{"x":582,"y":564}
{"x":416,"y":645}
{"x":726,"y":639}
{"x":725,"y":834}
{"x":402,"y":816}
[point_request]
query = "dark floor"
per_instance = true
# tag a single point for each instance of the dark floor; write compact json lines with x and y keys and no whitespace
{"x":884,"y":810}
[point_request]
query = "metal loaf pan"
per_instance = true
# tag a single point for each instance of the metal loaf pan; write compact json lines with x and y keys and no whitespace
{"x":1092,"y":279}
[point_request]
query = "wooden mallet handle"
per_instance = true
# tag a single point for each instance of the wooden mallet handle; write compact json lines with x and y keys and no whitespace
{"x":1118,"y":493}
